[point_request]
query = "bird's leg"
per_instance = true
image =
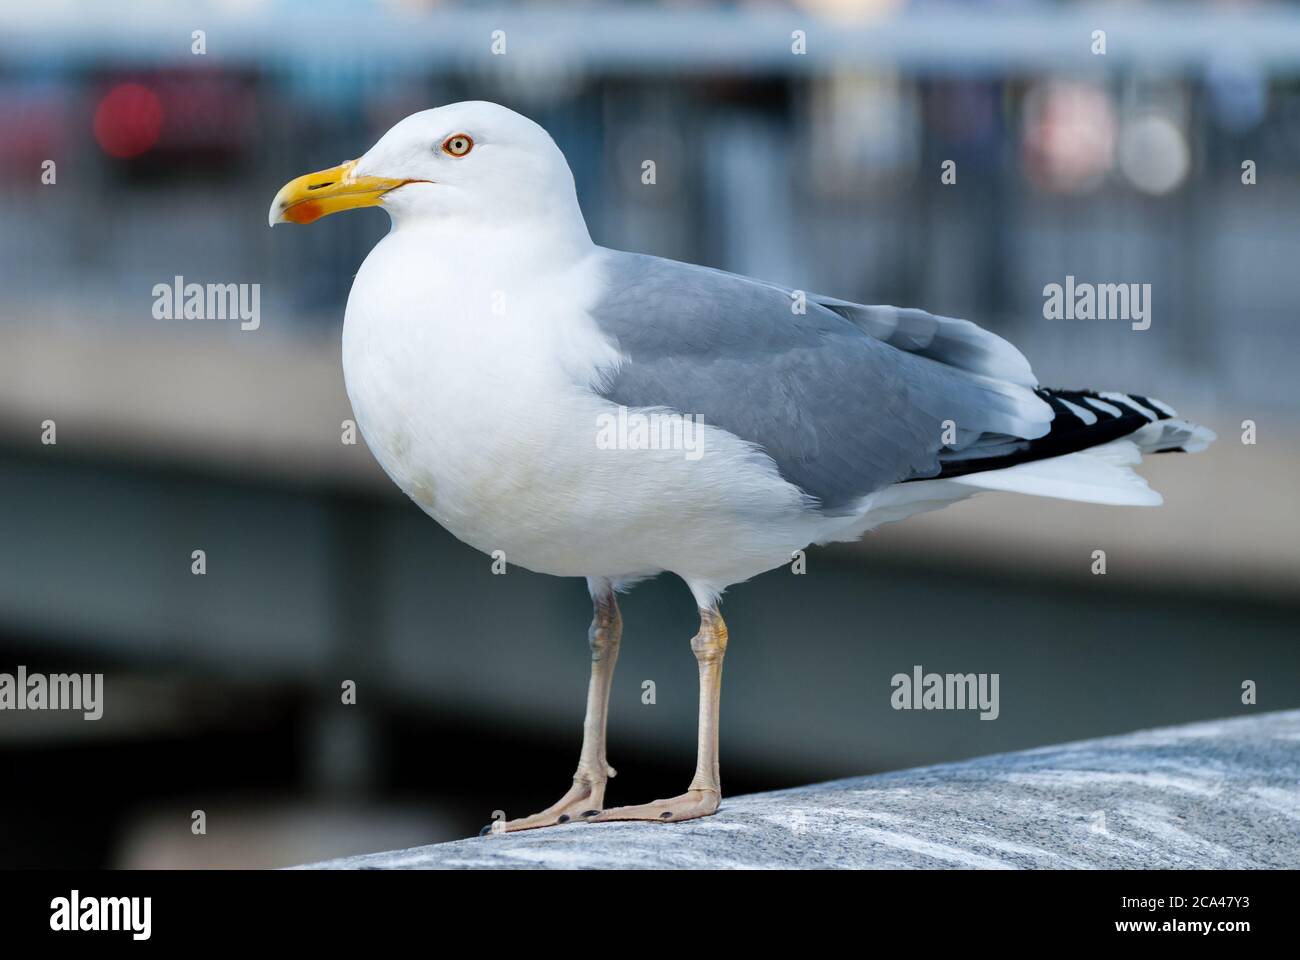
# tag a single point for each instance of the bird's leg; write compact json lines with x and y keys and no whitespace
{"x":705,"y":792}
{"x":587,"y":795}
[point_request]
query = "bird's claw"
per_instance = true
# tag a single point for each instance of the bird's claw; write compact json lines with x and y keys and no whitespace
{"x":585,"y":800}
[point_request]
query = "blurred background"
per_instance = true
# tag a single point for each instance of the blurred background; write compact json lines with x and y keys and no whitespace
{"x":818,"y":169}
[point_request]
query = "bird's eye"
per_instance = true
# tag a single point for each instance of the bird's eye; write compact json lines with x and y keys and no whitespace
{"x":457,"y":145}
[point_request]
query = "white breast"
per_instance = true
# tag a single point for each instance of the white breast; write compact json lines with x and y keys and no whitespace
{"x":470,"y":377}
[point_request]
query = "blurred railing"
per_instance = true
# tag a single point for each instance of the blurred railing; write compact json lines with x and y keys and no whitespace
{"x":820,"y":170}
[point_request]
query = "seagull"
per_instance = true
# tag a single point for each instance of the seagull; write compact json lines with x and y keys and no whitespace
{"x":589,"y":412}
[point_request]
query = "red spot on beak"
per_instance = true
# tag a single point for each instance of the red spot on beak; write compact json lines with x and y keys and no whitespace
{"x":304,"y":212}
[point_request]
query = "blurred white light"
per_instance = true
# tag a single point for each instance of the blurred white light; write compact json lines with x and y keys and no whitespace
{"x":1153,"y":154}
{"x":852,"y":11}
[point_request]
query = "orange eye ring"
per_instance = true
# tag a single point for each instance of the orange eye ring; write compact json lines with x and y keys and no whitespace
{"x":458,"y":145}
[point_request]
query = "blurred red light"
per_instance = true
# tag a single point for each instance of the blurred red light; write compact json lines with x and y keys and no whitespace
{"x":128,"y":120}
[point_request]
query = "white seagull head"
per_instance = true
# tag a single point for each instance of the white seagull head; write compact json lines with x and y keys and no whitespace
{"x":474,"y":160}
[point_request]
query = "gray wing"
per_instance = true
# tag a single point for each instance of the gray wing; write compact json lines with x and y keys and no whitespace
{"x":845,"y":399}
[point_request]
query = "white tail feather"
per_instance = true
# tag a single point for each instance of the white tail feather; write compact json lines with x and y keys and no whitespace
{"x":1101,"y":474}
{"x":1173,"y":435}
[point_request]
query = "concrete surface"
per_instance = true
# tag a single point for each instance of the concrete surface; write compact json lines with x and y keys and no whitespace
{"x":1223,"y":794}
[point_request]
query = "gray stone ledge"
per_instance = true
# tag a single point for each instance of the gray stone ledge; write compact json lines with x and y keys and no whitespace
{"x":1221,"y":794}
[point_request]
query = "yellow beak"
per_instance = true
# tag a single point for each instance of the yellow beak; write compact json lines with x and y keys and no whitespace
{"x":324,"y":192}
